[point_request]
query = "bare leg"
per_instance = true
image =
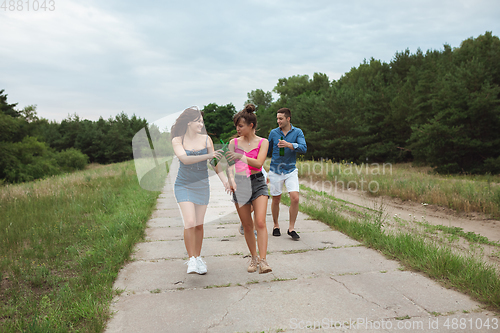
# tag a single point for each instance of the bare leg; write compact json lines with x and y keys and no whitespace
{"x":246,"y":220}
{"x":294,"y":209}
{"x":189,"y":218}
{"x":275,"y":210}
{"x":260,"y":207}
{"x":241,"y":225}
{"x":198,"y":230}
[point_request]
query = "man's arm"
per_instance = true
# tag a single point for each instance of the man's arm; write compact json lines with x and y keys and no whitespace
{"x":300,"y":146}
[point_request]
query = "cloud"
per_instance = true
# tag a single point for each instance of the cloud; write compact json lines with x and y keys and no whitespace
{"x":101,"y":58}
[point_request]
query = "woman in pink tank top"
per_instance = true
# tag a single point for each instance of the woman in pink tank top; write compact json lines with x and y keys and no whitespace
{"x":248,"y":184}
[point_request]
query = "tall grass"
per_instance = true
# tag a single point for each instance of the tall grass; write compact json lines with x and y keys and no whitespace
{"x":464,"y":193}
{"x":62,"y":243}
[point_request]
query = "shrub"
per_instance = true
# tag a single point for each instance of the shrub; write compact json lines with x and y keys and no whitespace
{"x":71,"y":159}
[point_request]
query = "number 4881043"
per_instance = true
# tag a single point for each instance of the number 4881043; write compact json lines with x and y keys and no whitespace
{"x":27,"y":5}
{"x":471,"y":324}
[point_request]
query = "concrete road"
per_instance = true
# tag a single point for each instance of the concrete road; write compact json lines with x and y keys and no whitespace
{"x":323,"y":282}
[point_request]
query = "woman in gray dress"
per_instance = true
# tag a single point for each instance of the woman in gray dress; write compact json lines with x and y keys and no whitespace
{"x":193,"y":147}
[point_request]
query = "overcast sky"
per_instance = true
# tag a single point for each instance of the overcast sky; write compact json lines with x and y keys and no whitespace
{"x":99,"y":58}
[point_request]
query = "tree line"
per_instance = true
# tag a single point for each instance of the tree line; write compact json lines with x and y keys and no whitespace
{"x":439,"y":108}
{"x":32,"y":148}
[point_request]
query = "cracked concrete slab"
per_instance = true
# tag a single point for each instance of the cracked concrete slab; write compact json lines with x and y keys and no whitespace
{"x":330,"y":262}
{"x":313,"y":299}
{"x":165,"y":222}
{"x":166,"y":205}
{"x":169,"y":213}
{"x":410,"y":286}
{"x":327,"y":238}
{"x":174,"y":311}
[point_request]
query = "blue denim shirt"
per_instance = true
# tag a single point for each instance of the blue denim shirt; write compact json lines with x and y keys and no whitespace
{"x":285,"y":164}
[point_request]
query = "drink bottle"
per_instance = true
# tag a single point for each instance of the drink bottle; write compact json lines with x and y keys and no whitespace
{"x":224,"y":149}
{"x":214,"y":161}
{"x":282,"y":150}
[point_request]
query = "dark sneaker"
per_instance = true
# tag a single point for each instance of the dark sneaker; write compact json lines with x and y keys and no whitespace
{"x":276,"y":232}
{"x":293,"y":234}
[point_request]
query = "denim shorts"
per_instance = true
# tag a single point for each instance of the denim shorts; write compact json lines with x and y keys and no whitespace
{"x":249,"y":188}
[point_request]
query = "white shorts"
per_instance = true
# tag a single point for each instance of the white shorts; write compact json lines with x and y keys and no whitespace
{"x":276,"y":181}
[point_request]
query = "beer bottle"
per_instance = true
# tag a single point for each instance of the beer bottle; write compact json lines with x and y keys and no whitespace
{"x":282,"y":149}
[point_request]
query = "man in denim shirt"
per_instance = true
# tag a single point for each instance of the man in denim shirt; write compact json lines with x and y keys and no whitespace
{"x":283,"y":170}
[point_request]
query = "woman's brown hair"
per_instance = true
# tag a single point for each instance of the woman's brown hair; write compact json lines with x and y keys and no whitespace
{"x":247,"y":114}
{"x":181,"y":124}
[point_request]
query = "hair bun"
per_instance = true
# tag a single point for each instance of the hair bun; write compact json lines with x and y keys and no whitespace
{"x":250,"y":108}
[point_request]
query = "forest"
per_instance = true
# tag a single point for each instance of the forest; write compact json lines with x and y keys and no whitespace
{"x":33,"y":148}
{"x":440,"y":108}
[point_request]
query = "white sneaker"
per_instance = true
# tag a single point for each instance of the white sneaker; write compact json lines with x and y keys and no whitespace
{"x":192,"y":265}
{"x":201,"y":266}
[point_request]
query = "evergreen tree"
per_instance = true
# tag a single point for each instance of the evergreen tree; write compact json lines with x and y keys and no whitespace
{"x":6,"y":108}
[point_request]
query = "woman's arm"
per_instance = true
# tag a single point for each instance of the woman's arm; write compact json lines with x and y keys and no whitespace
{"x":181,"y":153}
{"x":230,"y":172}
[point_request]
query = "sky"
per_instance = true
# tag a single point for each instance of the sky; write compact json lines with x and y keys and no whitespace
{"x":152,"y":59}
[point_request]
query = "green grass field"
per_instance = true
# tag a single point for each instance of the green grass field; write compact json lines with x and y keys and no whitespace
{"x":62,"y":243}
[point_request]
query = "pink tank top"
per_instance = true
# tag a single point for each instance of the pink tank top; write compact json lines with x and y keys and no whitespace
{"x":241,"y":166}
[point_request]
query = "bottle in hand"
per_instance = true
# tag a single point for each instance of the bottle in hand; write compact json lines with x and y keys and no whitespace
{"x":282,"y":150}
